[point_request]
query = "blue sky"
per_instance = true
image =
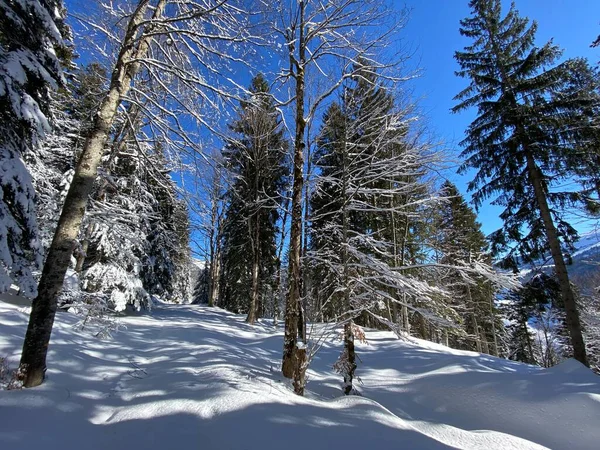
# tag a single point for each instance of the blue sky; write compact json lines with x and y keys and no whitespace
{"x":432,"y":34}
{"x":432,"y":31}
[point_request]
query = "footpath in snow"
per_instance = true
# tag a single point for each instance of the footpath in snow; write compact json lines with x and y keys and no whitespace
{"x":194,"y":377}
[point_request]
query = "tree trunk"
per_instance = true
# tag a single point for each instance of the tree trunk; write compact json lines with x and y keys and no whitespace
{"x":41,"y":320}
{"x":81,"y":255}
{"x":571,"y":312}
{"x":405,"y":318}
{"x":292,"y":304}
{"x":494,"y":351}
{"x":255,"y":238}
{"x":485,"y":348}
{"x":300,"y":360}
{"x":350,"y":357}
{"x":254,"y":295}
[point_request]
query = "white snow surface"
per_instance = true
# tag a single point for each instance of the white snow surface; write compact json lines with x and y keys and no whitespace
{"x":196,"y":377}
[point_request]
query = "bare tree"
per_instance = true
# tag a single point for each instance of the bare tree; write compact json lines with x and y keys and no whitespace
{"x":180,"y":46}
{"x":324,"y":39}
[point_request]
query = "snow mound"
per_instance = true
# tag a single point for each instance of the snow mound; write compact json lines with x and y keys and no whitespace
{"x":570,"y":366}
{"x":201,"y":377}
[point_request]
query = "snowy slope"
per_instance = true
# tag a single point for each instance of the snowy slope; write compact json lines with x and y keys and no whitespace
{"x":194,"y":377}
{"x":584,"y":267}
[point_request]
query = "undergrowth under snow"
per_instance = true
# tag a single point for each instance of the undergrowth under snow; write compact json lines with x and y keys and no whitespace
{"x":196,"y":377}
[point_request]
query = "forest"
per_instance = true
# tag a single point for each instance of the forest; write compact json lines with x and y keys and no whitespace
{"x":267,"y":158}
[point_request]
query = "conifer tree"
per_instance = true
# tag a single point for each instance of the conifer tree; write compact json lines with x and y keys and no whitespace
{"x":527,"y":124}
{"x":461,"y":242}
{"x":33,"y":43}
{"x":256,"y":158}
{"x":364,"y":162}
{"x":52,"y":165}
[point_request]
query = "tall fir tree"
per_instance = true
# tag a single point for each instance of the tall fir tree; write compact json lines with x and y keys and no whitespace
{"x":255,"y":155}
{"x":528,"y":124}
{"x":461,"y":242}
{"x":33,"y":45}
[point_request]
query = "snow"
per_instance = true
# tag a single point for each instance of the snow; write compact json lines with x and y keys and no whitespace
{"x":193,"y":376}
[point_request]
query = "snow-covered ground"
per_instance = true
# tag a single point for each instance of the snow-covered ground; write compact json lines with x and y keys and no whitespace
{"x":194,"y":377}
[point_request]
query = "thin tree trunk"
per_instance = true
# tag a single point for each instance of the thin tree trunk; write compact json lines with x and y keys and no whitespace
{"x":474,"y":320}
{"x":81,"y":255}
{"x":255,"y":271}
{"x":349,"y":351}
{"x":571,"y":312}
{"x":484,"y":343}
{"x":493,"y":328}
{"x":351,"y":358}
{"x":405,"y":318}
{"x":41,"y":320}
{"x":213,"y":241}
{"x":292,"y":304}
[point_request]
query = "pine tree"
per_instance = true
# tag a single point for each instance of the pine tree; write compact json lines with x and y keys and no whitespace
{"x":33,"y":43}
{"x":256,"y":158}
{"x":527,"y":124}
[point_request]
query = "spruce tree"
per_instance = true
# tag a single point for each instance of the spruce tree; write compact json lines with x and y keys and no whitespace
{"x":527,"y":125}
{"x":52,"y":165}
{"x":255,"y":155}
{"x":462,"y":243}
{"x":33,"y":44}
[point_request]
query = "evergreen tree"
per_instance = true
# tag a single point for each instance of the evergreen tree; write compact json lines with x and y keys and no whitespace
{"x":527,"y":125}
{"x":52,"y":165}
{"x":521,"y":345}
{"x":537,"y":333}
{"x":461,"y":243}
{"x":256,"y":158}
{"x":117,"y":223}
{"x":365,"y":165}
{"x":33,"y":38}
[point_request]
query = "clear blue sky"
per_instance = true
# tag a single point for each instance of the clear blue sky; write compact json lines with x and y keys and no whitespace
{"x":433,"y":33}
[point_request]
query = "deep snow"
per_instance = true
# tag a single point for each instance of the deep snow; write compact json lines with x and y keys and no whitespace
{"x":194,"y":377}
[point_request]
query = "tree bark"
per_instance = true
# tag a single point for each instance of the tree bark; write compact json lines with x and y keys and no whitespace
{"x":41,"y":320}
{"x":292,"y":304}
{"x":351,"y":358}
{"x":255,"y":236}
{"x":494,"y":351}
{"x":571,"y":312}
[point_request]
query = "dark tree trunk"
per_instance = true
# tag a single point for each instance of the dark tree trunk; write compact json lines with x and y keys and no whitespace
{"x":571,"y":312}
{"x":292,"y":304}
{"x":351,"y":358}
{"x":255,"y":238}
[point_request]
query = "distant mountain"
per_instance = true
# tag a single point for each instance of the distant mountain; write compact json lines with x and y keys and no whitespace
{"x":583,"y":263}
{"x":196,"y":266}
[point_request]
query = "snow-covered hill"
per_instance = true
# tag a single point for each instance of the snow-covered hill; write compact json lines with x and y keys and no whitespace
{"x":194,"y":377}
{"x":584,"y":267}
